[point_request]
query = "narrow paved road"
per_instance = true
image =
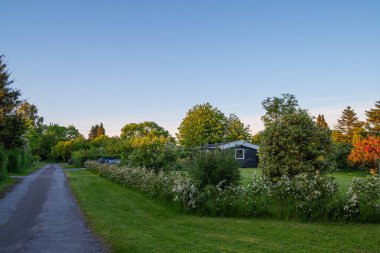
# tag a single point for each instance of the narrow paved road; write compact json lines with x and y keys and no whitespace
{"x":41,"y":215}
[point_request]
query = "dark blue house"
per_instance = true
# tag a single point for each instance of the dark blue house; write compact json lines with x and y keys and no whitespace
{"x":245,"y":152}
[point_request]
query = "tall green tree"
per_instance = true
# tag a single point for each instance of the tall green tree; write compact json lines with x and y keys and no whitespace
{"x":291,"y":143}
{"x":373,"y":119}
{"x":321,"y":122}
{"x":348,"y":125}
{"x":203,"y":124}
{"x":236,"y":130}
{"x":12,"y":126}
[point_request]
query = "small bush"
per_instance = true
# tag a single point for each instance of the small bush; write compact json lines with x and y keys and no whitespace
{"x":215,"y":168}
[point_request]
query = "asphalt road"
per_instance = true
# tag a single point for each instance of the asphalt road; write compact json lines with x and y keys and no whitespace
{"x":41,"y":215}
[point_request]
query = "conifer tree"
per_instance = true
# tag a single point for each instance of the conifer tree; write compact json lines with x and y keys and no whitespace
{"x":373,"y":119}
{"x":12,"y":126}
{"x":348,"y":125}
{"x":321,"y":122}
{"x":100,"y":131}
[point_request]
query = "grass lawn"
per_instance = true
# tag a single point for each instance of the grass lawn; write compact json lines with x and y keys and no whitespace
{"x":130,"y":221}
{"x":343,"y":179}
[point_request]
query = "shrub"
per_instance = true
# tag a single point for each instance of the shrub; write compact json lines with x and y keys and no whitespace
{"x":153,"y":153}
{"x":15,"y":162}
{"x":81,"y":156}
{"x":3,"y":164}
{"x":215,"y":168}
{"x":363,"y":199}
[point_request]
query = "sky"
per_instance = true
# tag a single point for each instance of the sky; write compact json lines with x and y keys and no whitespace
{"x":117,"y":62}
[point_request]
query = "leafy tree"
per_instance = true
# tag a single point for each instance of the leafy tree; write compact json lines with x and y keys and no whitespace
{"x":203,"y":124}
{"x":373,"y":119}
{"x":155,"y":153}
{"x":291,"y":143}
{"x":144,"y":129}
{"x":277,"y":107}
{"x":366,"y":152}
{"x":348,"y":125}
{"x":236,"y":130}
{"x":321,"y":122}
{"x":341,"y":151}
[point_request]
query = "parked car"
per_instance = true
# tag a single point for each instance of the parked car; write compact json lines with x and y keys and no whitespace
{"x":105,"y":160}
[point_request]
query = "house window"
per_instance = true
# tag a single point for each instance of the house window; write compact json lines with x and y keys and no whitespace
{"x":239,"y":154}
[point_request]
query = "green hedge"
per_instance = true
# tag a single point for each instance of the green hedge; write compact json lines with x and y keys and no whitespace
{"x":3,"y":164}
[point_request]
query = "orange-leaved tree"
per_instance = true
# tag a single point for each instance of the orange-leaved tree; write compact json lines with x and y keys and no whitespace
{"x":366,"y":152}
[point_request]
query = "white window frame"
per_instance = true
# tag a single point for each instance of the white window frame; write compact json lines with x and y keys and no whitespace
{"x":243,"y":154}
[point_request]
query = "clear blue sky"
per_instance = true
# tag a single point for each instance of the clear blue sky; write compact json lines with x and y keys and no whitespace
{"x":86,"y":62}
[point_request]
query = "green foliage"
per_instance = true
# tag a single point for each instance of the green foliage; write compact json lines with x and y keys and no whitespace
{"x":155,"y":153}
{"x":276,"y":107}
{"x":144,"y":129}
{"x":215,"y":168}
{"x":15,"y":161}
{"x":373,"y":120}
{"x":81,"y":156}
{"x":236,"y":130}
{"x":256,"y":139}
{"x":291,"y":143}
{"x":340,"y":154}
{"x":3,"y":164}
{"x":203,"y":124}
{"x":348,"y":126}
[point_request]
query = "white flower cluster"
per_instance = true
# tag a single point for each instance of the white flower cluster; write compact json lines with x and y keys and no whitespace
{"x":166,"y":185}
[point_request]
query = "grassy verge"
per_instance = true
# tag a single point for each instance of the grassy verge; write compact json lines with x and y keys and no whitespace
{"x":130,"y":221}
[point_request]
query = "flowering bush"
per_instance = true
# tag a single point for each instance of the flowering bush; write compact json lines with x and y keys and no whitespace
{"x":305,"y":196}
{"x":363,"y":199}
{"x":172,"y":186}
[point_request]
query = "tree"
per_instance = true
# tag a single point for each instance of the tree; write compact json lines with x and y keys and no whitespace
{"x":366,"y":152}
{"x":277,"y":107}
{"x":12,"y":126}
{"x":291,"y":143}
{"x":100,"y":131}
{"x":96,"y":131}
{"x":348,"y":125}
{"x":144,"y":129}
{"x":203,"y":124}
{"x":373,"y":119}
{"x":236,"y":130}
{"x":321,"y":122}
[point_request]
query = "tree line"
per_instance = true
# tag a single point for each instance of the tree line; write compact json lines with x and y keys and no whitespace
{"x":292,"y":138}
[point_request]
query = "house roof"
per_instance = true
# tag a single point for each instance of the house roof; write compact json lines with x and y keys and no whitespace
{"x":226,"y":145}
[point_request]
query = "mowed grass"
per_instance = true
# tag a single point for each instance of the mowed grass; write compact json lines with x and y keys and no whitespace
{"x":343,"y":179}
{"x":130,"y":221}
{"x":32,"y":168}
